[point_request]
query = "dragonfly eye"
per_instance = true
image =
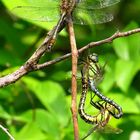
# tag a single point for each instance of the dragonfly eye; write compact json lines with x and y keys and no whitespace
{"x":93,"y":58}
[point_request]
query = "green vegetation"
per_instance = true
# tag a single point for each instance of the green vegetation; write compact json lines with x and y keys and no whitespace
{"x":37,"y":107}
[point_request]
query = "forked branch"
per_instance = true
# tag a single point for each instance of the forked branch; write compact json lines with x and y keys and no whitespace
{"x":32,"y":63}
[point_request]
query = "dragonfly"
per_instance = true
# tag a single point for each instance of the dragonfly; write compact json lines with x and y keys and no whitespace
{"x":103,"y":127}
{"x":114,"y":109}
{"x":106,"y":102}
{"x":81,"y":11}
{"x":100,"y":121}
{"x":91,"y":119}
{"x":106,"y":108}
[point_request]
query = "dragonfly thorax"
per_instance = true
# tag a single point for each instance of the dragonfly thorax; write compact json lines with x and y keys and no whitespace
{"x":67,"y":6}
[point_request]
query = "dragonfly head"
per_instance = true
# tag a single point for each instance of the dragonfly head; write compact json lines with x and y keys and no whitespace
{"x":93,"y":58}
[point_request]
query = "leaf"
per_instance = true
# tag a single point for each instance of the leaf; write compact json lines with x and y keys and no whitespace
{"x":45,"y":121}
{"x":30,"y":132}
{"x":125,"y":72}
{"x":128,"y":48}
{"x":108,"y":79}
{"x":133,"y":41}
{"x":121,"y":48}
{"x":52,"y":96}
{"x":128,"y":65}
{"x":4,"y":114}
{"x":13,"y":41}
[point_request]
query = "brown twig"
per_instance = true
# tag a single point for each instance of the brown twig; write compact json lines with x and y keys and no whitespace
{"x":90,"y":45}
{"x":32,"y":63}
{"x":74,"y":81}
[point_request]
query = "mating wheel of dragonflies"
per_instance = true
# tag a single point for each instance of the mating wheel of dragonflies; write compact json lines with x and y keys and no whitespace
{"x":99,"y":120}
{"x":91,"y":72}
{"x":105,"y":102}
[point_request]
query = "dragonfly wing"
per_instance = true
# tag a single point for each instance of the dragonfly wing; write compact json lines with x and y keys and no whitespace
{"x":105,"y":129}
{"x":96,"y":4}
{"x":82,"y":16}
{"x":109,"y":129}
{"x":37,"y":13}
{"x":38,"y":3}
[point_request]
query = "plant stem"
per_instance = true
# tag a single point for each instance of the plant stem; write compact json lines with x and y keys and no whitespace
{"x":74,"y":81}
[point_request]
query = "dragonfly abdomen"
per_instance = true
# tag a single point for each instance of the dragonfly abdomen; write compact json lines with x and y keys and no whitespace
{"x":107,"y":100}
{"x":87,"y":118}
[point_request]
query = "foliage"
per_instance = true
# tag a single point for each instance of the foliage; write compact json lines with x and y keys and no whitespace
{"x":37,"y":107}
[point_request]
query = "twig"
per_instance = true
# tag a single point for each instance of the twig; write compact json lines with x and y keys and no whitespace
{"x":32,"y":63}
{"x":90,"y":45}
{"x":6,"y":131}
{"x":74,"y":81}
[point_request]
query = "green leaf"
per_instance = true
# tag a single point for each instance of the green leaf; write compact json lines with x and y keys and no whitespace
{"x":45,"y":121}
{"x":30,"y":132}
{"x":13,"y":41}
{"x":4,"y":114}
{"x":121,"y":48}
{"x":108,"y":78}
{"x":128,"y":48}
{"x":107,"y":82}
{"x":124,"y":73}
{"x":52,"y":96}
{"x":133,"y":41}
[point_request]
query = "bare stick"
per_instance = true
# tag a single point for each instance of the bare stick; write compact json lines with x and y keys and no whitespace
{"x":32,"y":63}
{"x":90,"y":45}
{"x":7,"y":133}
{"x":74,"y":81}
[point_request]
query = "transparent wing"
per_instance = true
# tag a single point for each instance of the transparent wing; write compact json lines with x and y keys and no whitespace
{"x":50,"y":13}
{"x":38,"y":3}
{"x":82,"y":16}
{"x":96,"y":4}
{"x":40,"y":10}
{"x":105,"y":129}
{"x":109,"y":129}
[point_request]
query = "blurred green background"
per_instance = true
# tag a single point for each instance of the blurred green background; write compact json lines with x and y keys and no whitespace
{"x":37,"y":107}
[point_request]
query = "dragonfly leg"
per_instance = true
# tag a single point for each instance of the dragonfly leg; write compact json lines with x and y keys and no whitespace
{"x":56,"y":30}
{"x":94,"y":103}
{"x":101,"y":104}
